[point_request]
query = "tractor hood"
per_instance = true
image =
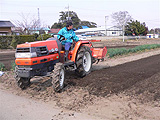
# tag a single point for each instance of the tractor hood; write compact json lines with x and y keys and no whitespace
{"x":52,"y":45}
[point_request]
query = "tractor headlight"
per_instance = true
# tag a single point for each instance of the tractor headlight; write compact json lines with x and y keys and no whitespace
{"x":25,"y":55}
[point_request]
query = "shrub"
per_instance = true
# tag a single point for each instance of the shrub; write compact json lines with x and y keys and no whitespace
{"x":2,"y":67}
{"x":22,"y":39}
{"x":7,"y":41}
{"x":44,"y":37}
{"x":13,"y":65}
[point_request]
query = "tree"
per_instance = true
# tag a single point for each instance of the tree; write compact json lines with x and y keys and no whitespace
{"x":64,"y":18}
{"x":28,"y":23}
{"x":121,"y":18}
{"x":57,"y":25}
{"x":89,"y":24}
{"x":136,"y":28}
{"x":75,"y":19}
{"x":155,"y":31}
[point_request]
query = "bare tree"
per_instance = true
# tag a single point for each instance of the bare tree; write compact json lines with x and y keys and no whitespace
{"x":120,"y":19}
{"x":28,"y":23}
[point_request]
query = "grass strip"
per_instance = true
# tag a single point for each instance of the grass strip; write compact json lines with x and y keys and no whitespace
{"x":122,"y":51}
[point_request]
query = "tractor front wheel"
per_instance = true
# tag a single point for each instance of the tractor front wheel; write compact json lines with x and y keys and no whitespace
{"x":21,"y":81}
{"x":58,"y":77}
{"x":84,"y":61}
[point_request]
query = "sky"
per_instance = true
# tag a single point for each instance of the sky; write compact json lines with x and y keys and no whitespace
{"x":147,"y":11}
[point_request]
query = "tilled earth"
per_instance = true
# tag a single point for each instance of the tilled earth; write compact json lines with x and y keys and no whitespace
{"x":133,"y":78}
{"x":7,"y":58}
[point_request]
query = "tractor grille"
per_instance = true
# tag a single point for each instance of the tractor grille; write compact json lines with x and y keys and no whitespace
{"x":42,"y":51}
{"x":23,"y":50}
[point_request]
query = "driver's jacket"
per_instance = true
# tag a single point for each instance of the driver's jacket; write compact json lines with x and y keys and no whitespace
{"x":68,"y":34}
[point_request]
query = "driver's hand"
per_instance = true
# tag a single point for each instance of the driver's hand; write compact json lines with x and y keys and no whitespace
{"x":63,"y":38}
{"x":74,"y":42}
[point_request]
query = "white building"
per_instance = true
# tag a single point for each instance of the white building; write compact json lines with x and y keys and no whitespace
{"x":100,"y":31}
{"x":152,"y":36}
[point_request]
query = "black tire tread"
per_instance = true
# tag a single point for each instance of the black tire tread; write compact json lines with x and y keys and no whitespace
{"x":55,"y":77}
{"x":21,"y":82}
{"x":79,"y":61}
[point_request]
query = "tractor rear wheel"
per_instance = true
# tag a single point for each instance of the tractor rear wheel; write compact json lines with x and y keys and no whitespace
{"x":21,"y":81}
{"x":58,"y":77}
{"x":84,"y":61}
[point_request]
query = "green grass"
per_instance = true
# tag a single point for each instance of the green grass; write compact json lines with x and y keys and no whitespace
{"x":13,"y":65}
{"x":122,"y":51}
{"x":2,"y":67}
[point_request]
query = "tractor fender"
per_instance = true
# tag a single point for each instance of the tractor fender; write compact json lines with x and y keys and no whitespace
{"x":77,"y":46}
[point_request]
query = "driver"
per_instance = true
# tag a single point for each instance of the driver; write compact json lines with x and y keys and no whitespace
{"x":69,"y":35}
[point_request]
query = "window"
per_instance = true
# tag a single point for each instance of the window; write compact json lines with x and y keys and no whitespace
{"x":113,"y":32}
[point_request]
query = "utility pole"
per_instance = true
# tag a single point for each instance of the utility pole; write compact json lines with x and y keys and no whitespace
{"x":123,"y":27}
{"x":106,"y":18}
{"x":123,"y":32}
{"x":67,"y":9}
{"x":38,"y":19}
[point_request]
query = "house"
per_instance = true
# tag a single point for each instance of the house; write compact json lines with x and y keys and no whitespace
{"x":5,"y":27}
{"x":43,"y":30}
{"x":17,"y":30}
{"x":53,"y":31}
{"x":99,"y":31}
{"x":152,"y":36}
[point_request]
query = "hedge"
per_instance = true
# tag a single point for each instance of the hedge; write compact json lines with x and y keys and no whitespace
{"x":43,"y":37}
{"x":8,"y":41}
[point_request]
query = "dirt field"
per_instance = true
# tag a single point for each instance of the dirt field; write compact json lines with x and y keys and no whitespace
{"x":7,"y":57}
{"x":122,"y":92}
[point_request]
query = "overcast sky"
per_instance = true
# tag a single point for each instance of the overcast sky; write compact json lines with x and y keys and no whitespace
{"x":147,"y":11}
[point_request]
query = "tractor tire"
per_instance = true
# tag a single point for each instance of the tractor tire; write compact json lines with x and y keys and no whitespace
{"x":58,"y":77}
{"x":84,"y":61}
{"x":22,"y":82}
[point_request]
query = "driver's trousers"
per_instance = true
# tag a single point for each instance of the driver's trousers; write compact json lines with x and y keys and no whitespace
{"x":67,"y":47}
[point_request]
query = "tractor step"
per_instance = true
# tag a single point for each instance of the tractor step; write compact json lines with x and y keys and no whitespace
{"x":69,"y":63}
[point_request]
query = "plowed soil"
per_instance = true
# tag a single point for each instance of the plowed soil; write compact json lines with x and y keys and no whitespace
{"x":122,"y":77}
{"x":7,"y":58}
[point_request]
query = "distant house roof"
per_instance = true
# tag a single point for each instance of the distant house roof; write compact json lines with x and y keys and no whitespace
{"x":54,"y":31}
{"x":37,"y":29}
{"x":6,"y":24}
{"x":17,"y":29}
{"x":84,"y":27}
{"x":109,"y":28}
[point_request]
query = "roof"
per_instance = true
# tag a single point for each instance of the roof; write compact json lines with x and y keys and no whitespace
{"x":37,"y":29}
{"x":84,"y":27}
{"x":54,"y":30}
{"x":97,"y":29}
{"x":6,"y":24}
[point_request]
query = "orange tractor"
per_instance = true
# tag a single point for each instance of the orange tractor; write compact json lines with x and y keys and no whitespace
{"x":46,"y":58}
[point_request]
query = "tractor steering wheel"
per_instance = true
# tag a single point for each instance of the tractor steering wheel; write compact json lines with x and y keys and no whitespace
{"x":61,"y":36}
